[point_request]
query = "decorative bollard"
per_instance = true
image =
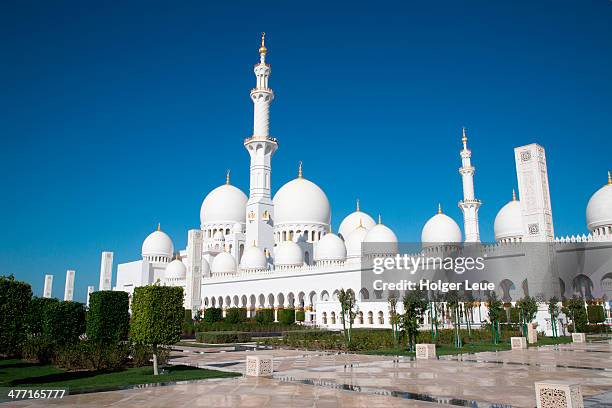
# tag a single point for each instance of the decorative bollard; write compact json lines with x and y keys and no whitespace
{"x":259,"y":366}
{"x":532,"y":333}
{"x":578,"y":338}
{"x":518,"y":343}
{"x":425,"y":351}
{"x":558,"y":394}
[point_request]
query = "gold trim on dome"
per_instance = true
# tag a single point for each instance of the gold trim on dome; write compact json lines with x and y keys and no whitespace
{"x":159,"y":226}
{"x":609,"y":178}
{"x":300,"y":170}
{"x":439,"y":208}
{"x":227,"y":176}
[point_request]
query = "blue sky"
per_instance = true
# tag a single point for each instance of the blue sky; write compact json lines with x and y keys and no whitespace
{"x":116,"y":117}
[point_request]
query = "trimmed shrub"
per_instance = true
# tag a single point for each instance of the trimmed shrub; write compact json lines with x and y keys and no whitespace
{"x":264,"y":316}
{"x":300,"y":316}
{"x":286,"y":316}
{"x":15,"y":298}
{"x":36,"y":314}
{"x":213,"y":314}
{"x":63,"y":322}
{"x":38,"y":349}
{"x":235,"y":315}
{"x":91,"y":355}
{"x":222,"y":337}
{"x":188,"y":315}
{"x":108,"y":318}
{"x":596,"y":314}
{"x":515,"y":315}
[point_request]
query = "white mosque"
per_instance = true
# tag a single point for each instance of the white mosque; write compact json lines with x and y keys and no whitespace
{"x":260,"y":251}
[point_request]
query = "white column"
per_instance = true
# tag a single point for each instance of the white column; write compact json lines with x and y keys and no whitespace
{"x":469,"y":205}
{"x":106,"y":270}
{"x":193,"y":282}
{"x":69,"y":289}
{"x":48,"y":286}
{"x":90,"y":290}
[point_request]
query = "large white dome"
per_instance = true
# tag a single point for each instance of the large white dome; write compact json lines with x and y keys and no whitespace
{"x":509,"y":221}
{"x":301,"y":201}
{"x":288,"y":253}
{"x":158,"y":243}
{"x":440,"y":229}
{"x":354,"y":240}
{"x":599,"y":208}
{"x":253,"y":258}
{"x":330,"y":248}
{"x":223,"y":263}
{"x":353,"y":220}
{"x":226,"y":204}
{"x":381,"y":239}
{"x":175,"y":270}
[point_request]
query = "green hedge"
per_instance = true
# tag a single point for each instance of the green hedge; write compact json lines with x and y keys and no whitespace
{"x":63,"y":322}
{"x":248,"y":326}
{"x":212,"y":315}
{"x":300,"y":316}
{"x":286,"y":316}
{"x":264,"y":316}
{"x":108,"y":318}
{"x":235,"y":315}
{"x":222,"y":337}
{"x":15,"y":298}
{"x":596,"y":314}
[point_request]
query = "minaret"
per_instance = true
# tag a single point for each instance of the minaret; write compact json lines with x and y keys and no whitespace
{"x":469,"y":205}
{"x":261,"y":147}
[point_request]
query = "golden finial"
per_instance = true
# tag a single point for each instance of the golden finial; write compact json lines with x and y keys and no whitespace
{"x":379,"y":219}
{"x":609,"y":178}
{"x":254,"y":243}
{"x":227,"y":176}
{"x":263,"y":49}
{"x":513,"y":195}
{"x":300,"y":170}
{"x":439,"y":208}
{"x":178,"y":256}
{"x":159,"y":226}
{"x":464,"y":137}
{"x":330,"y":229}
{"x":358,"y":209}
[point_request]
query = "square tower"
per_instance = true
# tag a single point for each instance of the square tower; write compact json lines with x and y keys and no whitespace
{"x":69,"y":289}
{"x":48,"y":286}
{"x":106,"y":270}
{"x":193,"y":281}
{"x":534,"y":194}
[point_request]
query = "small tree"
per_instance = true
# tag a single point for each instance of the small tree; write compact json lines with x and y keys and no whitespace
{"x":452,"y":301}
{"x":108,"y":318}
{"x":528,"y":308}
{"x":15,"y":297}
{"x":496,"y":309}
{"x":394,"y":318}
{"x":347,"y":304}
{"x":574,"y":308}
{"x":553,"y":310}
{"x":415,"y":305}
{"x":157,"y":317}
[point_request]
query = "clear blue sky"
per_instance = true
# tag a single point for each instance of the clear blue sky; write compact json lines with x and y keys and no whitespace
{"x":114,"y":117}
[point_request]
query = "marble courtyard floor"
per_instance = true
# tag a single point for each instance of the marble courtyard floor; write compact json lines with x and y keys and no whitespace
{"x":316,"y":379}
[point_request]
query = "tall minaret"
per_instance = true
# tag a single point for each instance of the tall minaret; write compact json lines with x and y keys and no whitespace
{"x":469,"y":205}
{"x":261,"y":147}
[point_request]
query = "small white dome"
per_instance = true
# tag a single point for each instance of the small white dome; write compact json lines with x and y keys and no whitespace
{"x":205,"y":267}
{"x":301,"y":201}
{"x":330,"y":248}
{"x":353,"y":220}
{"x":354,"y":240}
{"x":509,"y":221}
{"x":288,"y":253}
{"x":440,"y":229}
{"x":218,"y":236}
{"x":175,"y":270}
{"x":599,"y":208}
{"x":223,"y":263}
{"x":158,"y":243}
{"x":226,"y":204}
{"x":381,"y":239}
{"x":253,"y":258}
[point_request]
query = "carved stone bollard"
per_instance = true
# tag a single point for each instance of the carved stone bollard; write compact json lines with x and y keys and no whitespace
{"x":518,"y":343}
{"x":425,"y":351}
{"x":558,"y":394}
{"x":259,"y":366}
{"x":578,"y":338}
